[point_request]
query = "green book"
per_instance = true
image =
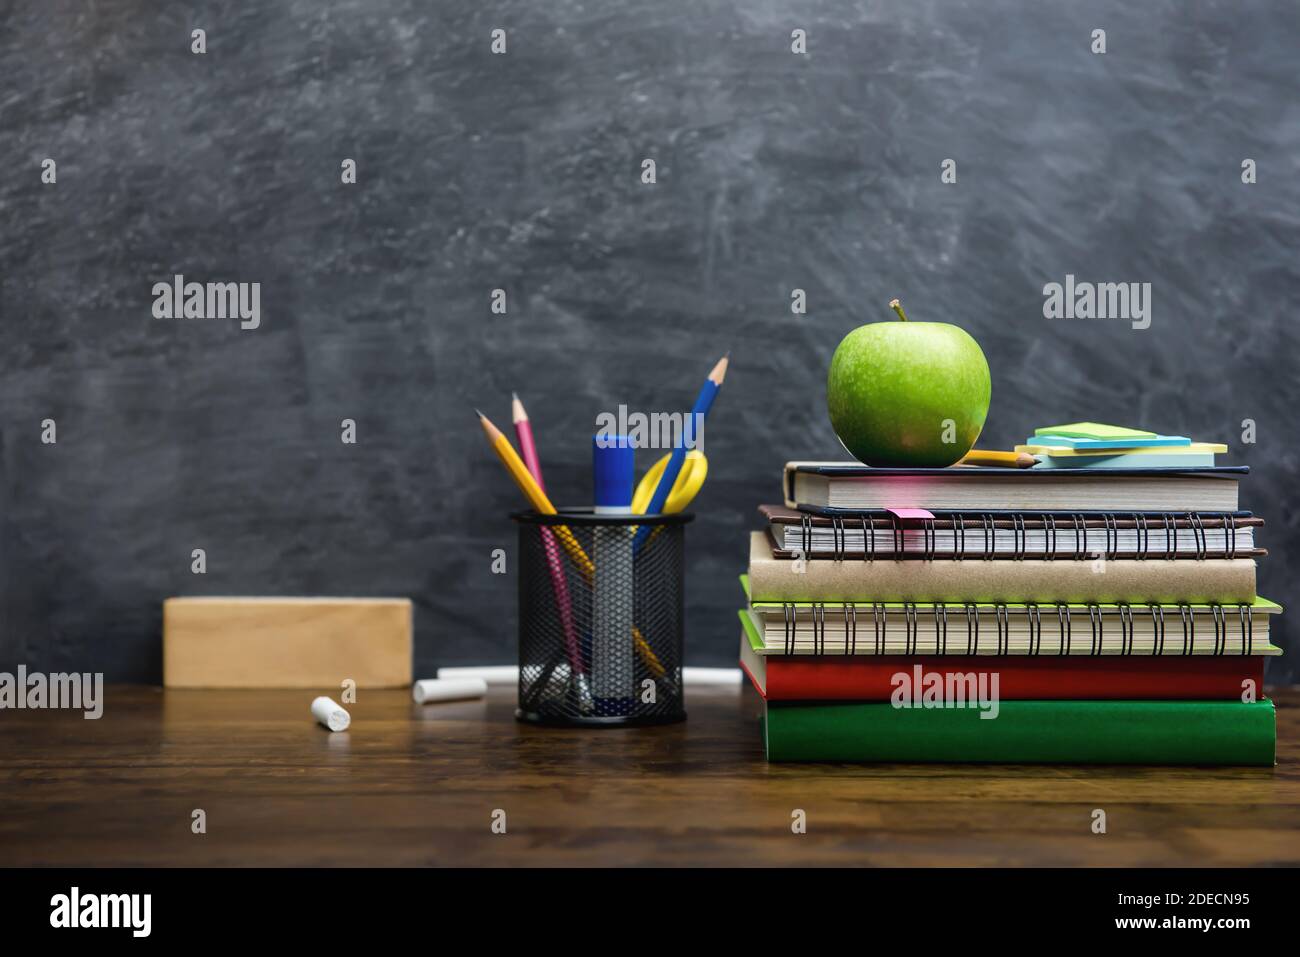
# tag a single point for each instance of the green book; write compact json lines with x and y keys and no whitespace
{"x":1026,"y":732}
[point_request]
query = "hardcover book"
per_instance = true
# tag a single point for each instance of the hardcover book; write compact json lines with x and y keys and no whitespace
{"x":1026,"y":732}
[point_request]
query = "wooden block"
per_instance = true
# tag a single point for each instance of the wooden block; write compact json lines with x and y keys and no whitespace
{"x":286,"y":642}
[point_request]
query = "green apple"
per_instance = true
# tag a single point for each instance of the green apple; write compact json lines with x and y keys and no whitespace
{"x":908,"y":394}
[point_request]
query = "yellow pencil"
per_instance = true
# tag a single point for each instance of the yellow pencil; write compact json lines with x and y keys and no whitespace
{"x":528,"y":485}
{"x":1010,"y":460}
{"x":537,"y":498}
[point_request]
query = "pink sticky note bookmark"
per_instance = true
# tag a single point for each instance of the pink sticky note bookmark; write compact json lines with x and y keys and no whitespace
{"x":906,"y":514}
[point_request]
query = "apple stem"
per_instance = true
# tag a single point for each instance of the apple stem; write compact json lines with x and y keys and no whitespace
{"x":895,"y":305}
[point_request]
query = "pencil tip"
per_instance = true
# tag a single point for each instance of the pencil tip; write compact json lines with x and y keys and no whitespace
{"x":514,"y":396}
{"x":479,"y":414}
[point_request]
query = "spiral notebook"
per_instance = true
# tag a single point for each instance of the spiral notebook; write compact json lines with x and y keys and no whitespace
{"x":996,"y":628}
{"x":815,"y":533}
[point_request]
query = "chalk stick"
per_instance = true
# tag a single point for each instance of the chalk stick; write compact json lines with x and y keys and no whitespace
{"x":492,"y":674}
{"x":430,"y":690}
{"x":331,"y":715}
{"x":286,"y":642}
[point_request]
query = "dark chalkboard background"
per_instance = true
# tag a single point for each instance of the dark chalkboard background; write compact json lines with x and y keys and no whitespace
{"x":521,"y":171}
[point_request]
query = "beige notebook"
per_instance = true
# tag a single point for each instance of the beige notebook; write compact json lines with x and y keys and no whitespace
{"x":1069,"y":581}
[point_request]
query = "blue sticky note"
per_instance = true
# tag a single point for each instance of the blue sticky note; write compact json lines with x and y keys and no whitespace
{"x":1075,"y":443}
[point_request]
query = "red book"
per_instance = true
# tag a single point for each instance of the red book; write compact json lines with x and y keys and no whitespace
{"x":1027,"y":677}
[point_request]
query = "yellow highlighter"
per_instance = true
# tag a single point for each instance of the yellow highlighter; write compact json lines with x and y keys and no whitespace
{"x":689,"y":480}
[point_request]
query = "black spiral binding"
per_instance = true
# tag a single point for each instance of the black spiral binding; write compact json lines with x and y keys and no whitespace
{"x":1188,"y":615}
{"x":1125,"y":628}
{"x":819,"y":627}
{"x":1080,"y":537}
{"x":1220,"y":629}
{"x":1019,"y":537}
{"x":1198,"y":533}
{"x":1051,"y":529}
{"x":929,"y":539}
{"x":1002,"y":617}
{"x":911,"y":627}
{"x":1112,"y":536}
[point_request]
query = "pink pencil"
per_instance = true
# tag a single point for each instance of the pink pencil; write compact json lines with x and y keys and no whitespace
{"x":524,"y":432}
{"x":528,"y":451}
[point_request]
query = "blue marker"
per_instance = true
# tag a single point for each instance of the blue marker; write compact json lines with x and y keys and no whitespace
{"x":612,"y":645}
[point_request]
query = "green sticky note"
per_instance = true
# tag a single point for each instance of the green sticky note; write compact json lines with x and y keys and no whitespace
{"x":1094,"y":430}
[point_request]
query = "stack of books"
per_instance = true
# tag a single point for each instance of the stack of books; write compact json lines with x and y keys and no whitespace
{"x":1072,"y":615}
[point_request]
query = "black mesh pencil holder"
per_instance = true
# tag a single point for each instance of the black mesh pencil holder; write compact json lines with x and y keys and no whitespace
{"x":601,"y":618}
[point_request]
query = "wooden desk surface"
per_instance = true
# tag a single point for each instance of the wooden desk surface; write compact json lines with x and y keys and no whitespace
{"x":410,"y":785}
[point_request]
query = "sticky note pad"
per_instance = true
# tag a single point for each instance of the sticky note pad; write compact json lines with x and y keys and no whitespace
{"x":1065,"y":441}
{"x":910,"y":514}
{"x":1094,"y":430}
{"x":286,"y":642}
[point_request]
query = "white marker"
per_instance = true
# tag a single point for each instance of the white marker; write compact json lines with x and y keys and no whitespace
{"x":331,"y":715}
{"x":447,"y":689}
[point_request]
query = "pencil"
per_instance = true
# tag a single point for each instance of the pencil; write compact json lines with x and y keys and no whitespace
{"x":559,"y":584}
{"x":1011,"y":460}
{"x":524,"y":433}
{"x":532,"y":491}
{"x":703,"y":403}
{"x":537,"y":498}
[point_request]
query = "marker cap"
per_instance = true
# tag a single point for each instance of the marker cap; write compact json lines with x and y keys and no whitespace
{"x":613,"y":472}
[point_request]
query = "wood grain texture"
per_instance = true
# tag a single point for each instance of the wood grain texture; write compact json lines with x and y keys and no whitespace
{"x":521,"y":172}
{"x":286,"y":642}
{"x":411,"y":785}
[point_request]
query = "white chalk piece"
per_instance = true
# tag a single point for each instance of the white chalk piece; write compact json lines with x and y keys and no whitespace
{"x":492,"y":674}
{"x":331,"y":715}
{"x":447,"y":689}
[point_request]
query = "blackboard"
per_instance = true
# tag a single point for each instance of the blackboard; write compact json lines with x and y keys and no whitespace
{"x":476,"y":170}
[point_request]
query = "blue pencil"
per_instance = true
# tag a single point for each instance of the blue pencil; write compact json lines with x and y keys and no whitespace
{"x":703,"y":402}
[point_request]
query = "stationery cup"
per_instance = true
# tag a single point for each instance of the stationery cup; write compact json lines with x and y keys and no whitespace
{"x":601,"y":624}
